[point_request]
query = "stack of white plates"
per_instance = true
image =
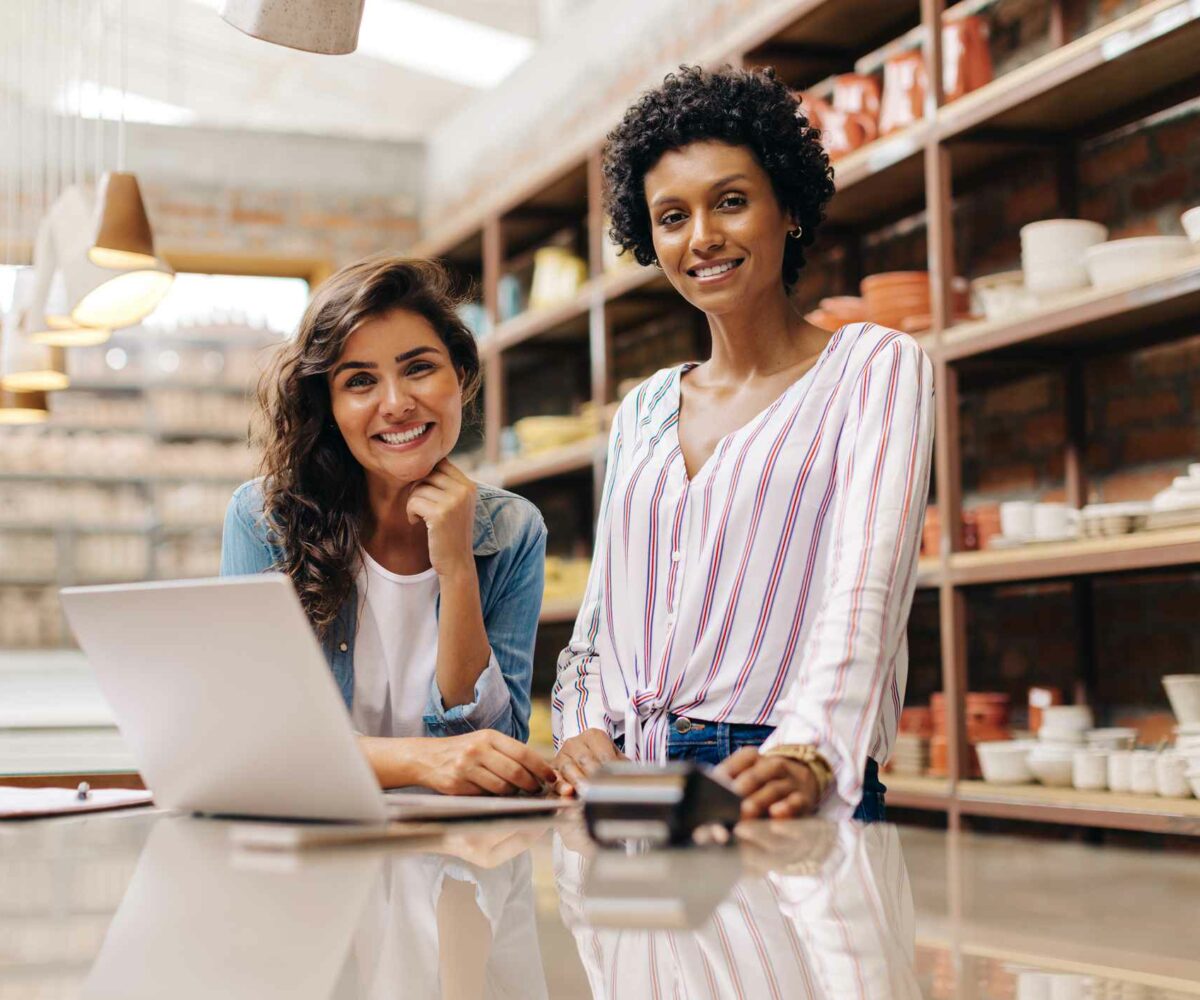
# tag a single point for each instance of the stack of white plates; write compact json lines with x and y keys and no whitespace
{"x":910,"y":755}
{"x":1065,"y":726}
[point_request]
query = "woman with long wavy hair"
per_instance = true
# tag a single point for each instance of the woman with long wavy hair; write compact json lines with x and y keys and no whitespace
{"x":423,"y":587}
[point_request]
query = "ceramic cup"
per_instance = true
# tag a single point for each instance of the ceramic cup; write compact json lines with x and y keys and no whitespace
{"x":1016,"y":519}
{"x":1052,"y":520}
{"x":1090,"y":770}
{"x":1171,"y":776}
{"x":1120,"y":770}
{"x":1143,"y":773}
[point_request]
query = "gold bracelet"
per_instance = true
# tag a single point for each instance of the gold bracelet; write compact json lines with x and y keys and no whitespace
{"x":806,"y":753}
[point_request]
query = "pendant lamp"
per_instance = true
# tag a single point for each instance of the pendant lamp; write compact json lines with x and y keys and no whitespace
{"x":123,"y":237}
{"x":23,"y":408}
{"x":101,"y":296}
{"x":328,"y":27}
{"x":50,"y":314}
{"x":26,"y":366}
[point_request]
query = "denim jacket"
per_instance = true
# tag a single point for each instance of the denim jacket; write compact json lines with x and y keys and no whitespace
{"x":510,"y":548}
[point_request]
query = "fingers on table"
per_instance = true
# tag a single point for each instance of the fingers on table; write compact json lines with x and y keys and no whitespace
{"x":739,"y":761}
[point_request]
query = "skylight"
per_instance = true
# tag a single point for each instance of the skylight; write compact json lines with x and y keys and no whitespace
{"x":93,"y":102}
{"x":442,"y":45}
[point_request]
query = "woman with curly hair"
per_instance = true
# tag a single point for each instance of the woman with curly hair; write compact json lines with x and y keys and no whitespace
{"x":757,"y":542}
{"x":423,"y":587}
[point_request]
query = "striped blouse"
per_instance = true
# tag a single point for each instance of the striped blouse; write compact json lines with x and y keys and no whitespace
{"x":774,"y":586}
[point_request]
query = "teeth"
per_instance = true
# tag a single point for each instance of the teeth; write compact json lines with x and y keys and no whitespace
{"x":404,"y":438}
{"x":710,"y":272}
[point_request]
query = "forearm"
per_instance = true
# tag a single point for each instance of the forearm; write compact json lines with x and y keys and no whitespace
{"x":396,"y":762}
{"x":463,"y":648}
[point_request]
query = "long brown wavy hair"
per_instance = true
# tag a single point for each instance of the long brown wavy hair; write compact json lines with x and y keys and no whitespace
{"x":314,"y":490}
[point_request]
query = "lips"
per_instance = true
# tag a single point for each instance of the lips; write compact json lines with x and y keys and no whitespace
{"x":711,"y":271}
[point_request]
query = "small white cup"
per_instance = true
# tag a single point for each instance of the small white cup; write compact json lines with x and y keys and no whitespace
{"x":1120,"y":770}
{"x":1090,"y":770}
{"x":1016,"y":519}
{"x":1143,"y":773}
{"x":1052,"y":520}
{"x":1171,"y":776}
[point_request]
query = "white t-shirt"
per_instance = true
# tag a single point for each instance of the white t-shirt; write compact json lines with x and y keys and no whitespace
{"x":395,"y":650}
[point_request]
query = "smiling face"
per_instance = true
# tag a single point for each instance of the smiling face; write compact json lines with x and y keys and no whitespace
{"x":396,"y":397}
{"x":717,"y":226}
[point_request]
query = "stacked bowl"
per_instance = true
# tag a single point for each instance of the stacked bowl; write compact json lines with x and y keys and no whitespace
{"x":1053,"y":254}
{"x":899,"y":299}
{"x":1063,"y":732}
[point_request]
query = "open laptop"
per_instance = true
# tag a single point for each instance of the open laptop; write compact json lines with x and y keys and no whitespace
{"x":224,"y":697}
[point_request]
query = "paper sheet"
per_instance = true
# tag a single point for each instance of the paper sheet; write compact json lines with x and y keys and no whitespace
{"x":27,"y":803}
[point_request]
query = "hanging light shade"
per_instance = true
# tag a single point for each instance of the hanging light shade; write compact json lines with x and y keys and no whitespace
{"x":101,"y":296}
{"x":26,"y":366}
{"x":23,"y":408}
{"x":123,"y":238}
{"x":50,"y":314}
{"x":328,"y":27}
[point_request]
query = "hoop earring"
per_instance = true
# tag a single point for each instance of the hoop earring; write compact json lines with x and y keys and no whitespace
{"x":796,"y":233}
{"x":656,"y":263}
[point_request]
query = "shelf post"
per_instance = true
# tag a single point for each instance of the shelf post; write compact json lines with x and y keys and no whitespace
{"x":493,"y":360}
{"x":953,"y":620}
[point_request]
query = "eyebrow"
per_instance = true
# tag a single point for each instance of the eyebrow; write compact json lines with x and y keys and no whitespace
{"x":399,"y":359}
{"x":662,"y":199}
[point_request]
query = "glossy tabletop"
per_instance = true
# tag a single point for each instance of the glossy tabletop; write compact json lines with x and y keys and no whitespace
{"x":147,"y":904}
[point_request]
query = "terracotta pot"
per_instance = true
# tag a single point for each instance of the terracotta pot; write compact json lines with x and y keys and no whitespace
{"x":857,"y":92}
{"x":904,"y":86}
{"x":813,"y":108}
{"x":823,"y":319}
{"x":931,"y":533}
{"x":847,"y":308}
{"x":966,"y":57}
{"x":843,"y":132}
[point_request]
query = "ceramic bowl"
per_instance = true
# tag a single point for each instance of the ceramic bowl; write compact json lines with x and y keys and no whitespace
{"x":1056,"y":239}
{"x":1001,"y":295}
{"x":1068,"y":718}
{"x":1183,"y":692}
{"x":1112,"y":738}
{"x":1191,"y":223}
{"x":1124,"y":262}
{"x":1044,"y":279}
{"x":1089,"y":770}
{"x":1171,"y":776}
{"x":1193,"y":779}
{"x":1052,"y":769}
{"x":1005,"y":761}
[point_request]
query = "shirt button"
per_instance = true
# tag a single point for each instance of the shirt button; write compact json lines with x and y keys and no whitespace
{"x":343,"y":646}
{"x":676,"y":556}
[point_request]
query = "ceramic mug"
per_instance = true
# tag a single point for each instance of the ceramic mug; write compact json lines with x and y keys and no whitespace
{"x":1016,"y":519}
{"x":1053,"y":520}
{"x":1120,"y":770}
{"x":1143,"y":772}
{"x":1090,"y":770}
{"x":966,"y":57}
{"x":858,"y":93}
{"x":904,"y":86}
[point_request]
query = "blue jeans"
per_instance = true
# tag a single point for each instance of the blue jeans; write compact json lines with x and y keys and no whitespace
{"x":711,"y":742}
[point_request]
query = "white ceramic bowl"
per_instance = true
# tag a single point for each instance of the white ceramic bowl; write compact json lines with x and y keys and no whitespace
{"x":1183,"y":692}
{"x":1001,"y":295}
{"x":1055,"y":770}
{"x":1112,"y":738}
{"x":1047,"y":278}
{"x":1005,"y":762}
{"x":1074,"y":718}
{"x":1124,"y":262}
{"x":1089,"y":770}
{"x":1191,"y":223}
{"x":1193,"y":778}
{"x":1171,"y":776}
{"x":1062,"y":739}
{"x":1052,"y":239}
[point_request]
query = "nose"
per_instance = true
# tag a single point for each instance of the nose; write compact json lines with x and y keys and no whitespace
{"x":706,"y":237}
{"x":397,"y":401}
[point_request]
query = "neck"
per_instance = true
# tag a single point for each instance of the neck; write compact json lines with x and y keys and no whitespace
{"x":760,"y":338}
{"x":388,"y":535}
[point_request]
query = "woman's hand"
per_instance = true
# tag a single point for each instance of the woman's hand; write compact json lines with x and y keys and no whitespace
{"x":771,"y":786}
{"x":445,"y":501}
{"x":484,"y":762}
{"x":579,"y":756}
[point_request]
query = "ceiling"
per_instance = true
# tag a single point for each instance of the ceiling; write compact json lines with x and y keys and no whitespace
{"x":180,"y":53}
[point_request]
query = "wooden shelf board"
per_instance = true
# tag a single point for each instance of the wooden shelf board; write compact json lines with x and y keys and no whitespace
{"x":1088,"y":316}
{"x":560,"y":611}
{"x":929,"y":573}
{"x":1141,"y":550}
{"x":1149,"y":813}
{"x":1085,"y":81}
{"x":569,"y":458}
{"x":830,"y":23}
{"x":569,"y":318}
{"x":881,"y":176}
{"x":911,"y":792}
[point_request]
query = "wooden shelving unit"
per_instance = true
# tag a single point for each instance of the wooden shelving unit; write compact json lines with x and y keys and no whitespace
{"x":1133,"y":67}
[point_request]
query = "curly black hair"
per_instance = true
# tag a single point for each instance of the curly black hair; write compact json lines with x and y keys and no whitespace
{"x":737,"y":107}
